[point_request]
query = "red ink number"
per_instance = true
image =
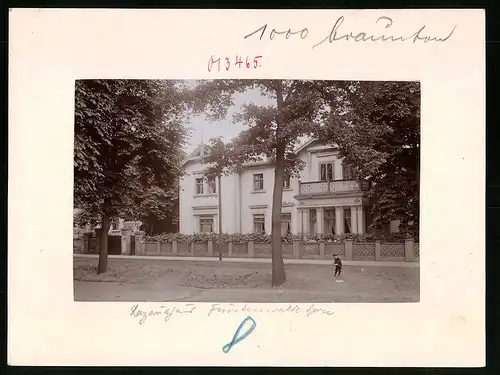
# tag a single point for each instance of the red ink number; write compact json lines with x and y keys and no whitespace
{"x":239,"y":61}
{"x":255,"y":62}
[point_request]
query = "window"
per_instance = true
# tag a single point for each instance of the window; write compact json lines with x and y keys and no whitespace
{"x":312,"y":221}
{"x":258,"y":182}
{"x":259,"y":221}
{"x":199,"y":186}
{"x":348,"y":172}
{"x":206,"y":224}
{"x":286,"y":182}
{"x":330,"y":221}
{"x":347,"y":219}
{"x":286,"y":224}
{"x":211,"y":187}
{"x":326,"y":171}
{"x":114,"y":225}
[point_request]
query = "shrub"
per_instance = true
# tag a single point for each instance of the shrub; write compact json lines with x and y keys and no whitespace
{"x":266,"y":238}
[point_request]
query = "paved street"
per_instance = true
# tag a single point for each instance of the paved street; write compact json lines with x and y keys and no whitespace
{"x":206,"y":281}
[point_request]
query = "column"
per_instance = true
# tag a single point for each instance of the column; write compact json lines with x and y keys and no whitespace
{"x":297,"y":224}
{"x":196,"y":221}
{"x":215,"y":223}
{"x":354,"y":219}
{"x":339,"y":220}
{"x":306,"y":220}
{"x":338,"y":170}
{"x":320,"y":221}
{"x":361,"y":220}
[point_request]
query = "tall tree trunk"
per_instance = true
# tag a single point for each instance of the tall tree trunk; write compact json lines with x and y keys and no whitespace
{"x":102,"y":266}
{"x":278,"y":276}
{"x":278,"y":265}
{"x":220,"y":216}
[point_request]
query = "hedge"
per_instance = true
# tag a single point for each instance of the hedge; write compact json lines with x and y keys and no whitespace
{"x":266,"y":238}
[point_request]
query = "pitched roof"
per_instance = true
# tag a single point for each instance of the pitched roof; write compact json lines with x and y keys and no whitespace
{"x":196,"y":154}
{"x":305,"y":144}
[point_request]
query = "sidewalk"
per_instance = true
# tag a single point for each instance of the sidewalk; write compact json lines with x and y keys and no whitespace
{"x":364,"y":263}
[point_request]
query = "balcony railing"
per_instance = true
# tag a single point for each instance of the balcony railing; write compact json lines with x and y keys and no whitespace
{"x":331,"y":187}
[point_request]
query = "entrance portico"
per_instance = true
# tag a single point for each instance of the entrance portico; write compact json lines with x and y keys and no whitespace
{"x":336,"y":210}
{"x":327,"y":220}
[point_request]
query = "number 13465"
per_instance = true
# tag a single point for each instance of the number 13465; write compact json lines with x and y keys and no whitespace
{"x":227,"y":63}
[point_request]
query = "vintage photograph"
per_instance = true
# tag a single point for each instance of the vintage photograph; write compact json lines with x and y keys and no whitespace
{"x":246,"y":191}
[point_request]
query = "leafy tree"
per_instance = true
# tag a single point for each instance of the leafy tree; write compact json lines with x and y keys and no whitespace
{"x":128,"y":135}
{"x":377,"y":128}
{"x":159,"y":209}
{"x":271,"y":133}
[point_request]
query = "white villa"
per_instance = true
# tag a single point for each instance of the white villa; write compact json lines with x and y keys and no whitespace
{"x":326,"y":199}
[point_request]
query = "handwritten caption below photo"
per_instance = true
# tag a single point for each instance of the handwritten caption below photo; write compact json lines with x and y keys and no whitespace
{"x":165,"y":313}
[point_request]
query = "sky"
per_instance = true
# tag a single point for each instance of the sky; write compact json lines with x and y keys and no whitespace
{"x":202,"y":129}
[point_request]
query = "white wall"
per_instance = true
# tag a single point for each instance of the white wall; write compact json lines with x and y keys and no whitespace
{"x":251,"y":198}
{"x":192,"y":205}
{"x":239,"y":200}
{"x":311,"y":171}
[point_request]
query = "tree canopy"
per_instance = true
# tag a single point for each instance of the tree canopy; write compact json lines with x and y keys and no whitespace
{"x":377,"y":128}
{"x":271,"y":133}
{"x":128,"y":138}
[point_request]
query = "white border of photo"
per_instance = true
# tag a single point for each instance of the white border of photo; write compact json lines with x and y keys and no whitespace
{"x":49,"y":49}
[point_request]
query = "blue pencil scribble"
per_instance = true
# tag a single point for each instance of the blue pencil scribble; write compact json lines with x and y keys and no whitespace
{"x":237,"y":338}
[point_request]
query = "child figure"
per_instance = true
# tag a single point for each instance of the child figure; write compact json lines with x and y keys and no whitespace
{"x":338,"y":265}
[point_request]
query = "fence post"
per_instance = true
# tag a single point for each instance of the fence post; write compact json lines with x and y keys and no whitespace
{"x":322,"y":249}
{"x":230,"y":249}
{"x":348,"y":249}
{"x":210,"y":248}
{"x":138,"y":244}
{"x":250,"y":249}
{"x":87,"y":237}
{"x":158,"y":247}
{"x":174,"y":246}
{"x":377,"y":250}
{"x":192,"y":248}
{"x":296,"y":249}
{"x":126,"y":241}
{"x":409,"y":250}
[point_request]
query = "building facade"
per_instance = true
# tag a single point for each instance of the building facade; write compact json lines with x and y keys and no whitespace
{"x":326,"y":199}
{"x":115,"y":226}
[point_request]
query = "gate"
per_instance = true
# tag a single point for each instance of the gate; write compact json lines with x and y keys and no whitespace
{"x":114,"y":245}
{"x":132,"y":244}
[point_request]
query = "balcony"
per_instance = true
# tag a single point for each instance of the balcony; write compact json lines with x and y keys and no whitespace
{"x":333,"y":187}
